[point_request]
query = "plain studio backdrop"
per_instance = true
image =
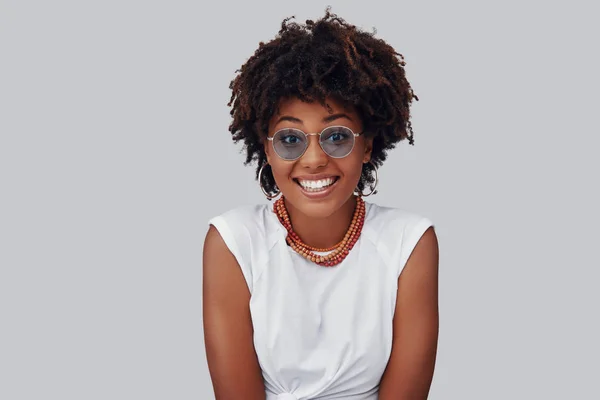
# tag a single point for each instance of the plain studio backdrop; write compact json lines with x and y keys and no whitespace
{"x":114,"y":153}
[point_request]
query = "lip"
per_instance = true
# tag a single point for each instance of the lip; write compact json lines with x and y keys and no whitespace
{"x":321,"y":194}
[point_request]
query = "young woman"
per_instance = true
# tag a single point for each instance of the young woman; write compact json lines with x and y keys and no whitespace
{"x":320,"y":294}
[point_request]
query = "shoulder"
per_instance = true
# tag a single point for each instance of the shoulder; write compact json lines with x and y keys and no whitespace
{"x":396,"y":231}
{"x":248,"y":232}
{"x":393,"y":218}
{"x":244,"y":222}
{"x":245,"y":215}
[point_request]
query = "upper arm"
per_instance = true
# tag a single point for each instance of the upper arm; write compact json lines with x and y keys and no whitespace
{"x":232,"y":360}
{"x":409,"y":372}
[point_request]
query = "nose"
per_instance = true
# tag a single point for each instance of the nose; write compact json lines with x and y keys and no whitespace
{"x":314,"y":157}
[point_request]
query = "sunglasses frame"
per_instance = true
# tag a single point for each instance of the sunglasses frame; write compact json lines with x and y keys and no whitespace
{"x":314,"y":134}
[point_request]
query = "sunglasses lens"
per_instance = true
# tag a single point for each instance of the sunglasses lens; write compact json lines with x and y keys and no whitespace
{"x":289,"y":144}
{"x":337,"y":141}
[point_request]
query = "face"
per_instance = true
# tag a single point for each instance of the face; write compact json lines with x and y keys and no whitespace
{"x":317,"y":184}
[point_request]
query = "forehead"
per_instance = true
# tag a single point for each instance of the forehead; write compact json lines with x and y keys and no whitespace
{"x":295,"y":107}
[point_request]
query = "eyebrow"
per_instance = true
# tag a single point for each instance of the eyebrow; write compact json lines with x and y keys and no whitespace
{"x":329,"y":118}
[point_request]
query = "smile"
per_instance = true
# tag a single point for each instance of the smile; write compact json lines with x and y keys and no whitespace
{"x":317,"y":187}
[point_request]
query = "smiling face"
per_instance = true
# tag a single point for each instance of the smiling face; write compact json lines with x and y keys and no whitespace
{"x":317,"y":184}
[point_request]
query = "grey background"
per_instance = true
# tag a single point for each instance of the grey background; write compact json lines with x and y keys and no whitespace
{"x":114,"y":153}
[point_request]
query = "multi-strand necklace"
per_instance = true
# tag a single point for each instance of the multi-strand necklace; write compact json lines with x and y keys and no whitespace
{"x":337,"y":252}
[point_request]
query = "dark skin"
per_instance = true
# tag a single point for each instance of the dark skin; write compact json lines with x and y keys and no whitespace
{"x":232,"y":361}
{"x":313,"y":61}
{"x":319,"y":223}
{"x":228,"y":331}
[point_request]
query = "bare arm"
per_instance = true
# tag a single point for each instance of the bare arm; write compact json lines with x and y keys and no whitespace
{"x":410,"y":369}
{"x":232,"y":361}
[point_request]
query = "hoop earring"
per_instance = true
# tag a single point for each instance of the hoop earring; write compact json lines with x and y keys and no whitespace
{"x":361,"y":194}
{"x":269,"y":196}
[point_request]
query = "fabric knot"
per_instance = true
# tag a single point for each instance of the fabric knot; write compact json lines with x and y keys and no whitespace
{"x":286,"y":396}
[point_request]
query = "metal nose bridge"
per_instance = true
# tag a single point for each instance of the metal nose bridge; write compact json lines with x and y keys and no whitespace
{"x":318,"y":144}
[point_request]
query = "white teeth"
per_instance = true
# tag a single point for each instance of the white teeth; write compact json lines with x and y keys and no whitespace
{"x":316,"y":185}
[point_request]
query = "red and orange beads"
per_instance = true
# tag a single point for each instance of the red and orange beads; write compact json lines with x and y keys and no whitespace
{"x":338,"y":252}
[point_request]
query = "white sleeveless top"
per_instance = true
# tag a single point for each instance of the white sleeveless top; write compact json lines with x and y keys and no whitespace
{"x":321,"y":332}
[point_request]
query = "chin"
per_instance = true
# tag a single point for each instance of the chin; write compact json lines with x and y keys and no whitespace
{"x":315,"y":204}
{"x":321,"y":209}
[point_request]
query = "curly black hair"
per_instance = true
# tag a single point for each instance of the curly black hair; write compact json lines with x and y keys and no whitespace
{"x":313,"y":61}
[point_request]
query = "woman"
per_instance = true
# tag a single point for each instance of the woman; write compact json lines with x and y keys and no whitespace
{"x":320,"y":295}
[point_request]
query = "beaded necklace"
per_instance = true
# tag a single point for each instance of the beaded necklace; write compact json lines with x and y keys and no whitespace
{"x":338,"y":252}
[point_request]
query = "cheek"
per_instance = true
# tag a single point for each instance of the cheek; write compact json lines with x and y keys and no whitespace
{"x":352,"y":168}
{"x":281,"y":172}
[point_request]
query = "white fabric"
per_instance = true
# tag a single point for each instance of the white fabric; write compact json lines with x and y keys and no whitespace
{"x":321,"y":332}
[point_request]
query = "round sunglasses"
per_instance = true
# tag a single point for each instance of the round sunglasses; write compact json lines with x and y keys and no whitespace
{"x":291,"y":143}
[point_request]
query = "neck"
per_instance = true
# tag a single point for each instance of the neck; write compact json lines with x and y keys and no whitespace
{"x":322,"y":232}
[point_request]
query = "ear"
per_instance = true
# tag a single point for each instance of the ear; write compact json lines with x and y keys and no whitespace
{"x":267,"y":150}
{"x":368,"y":150}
